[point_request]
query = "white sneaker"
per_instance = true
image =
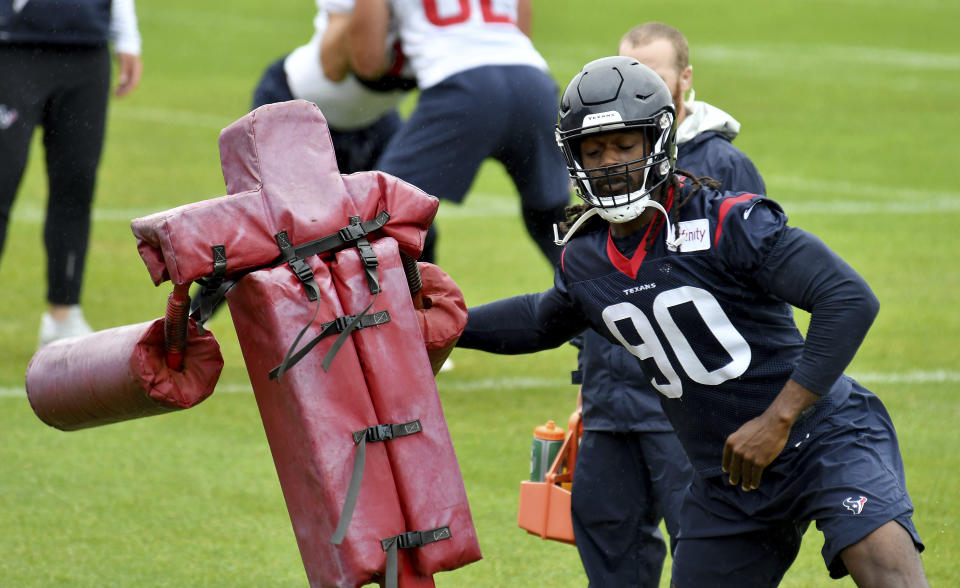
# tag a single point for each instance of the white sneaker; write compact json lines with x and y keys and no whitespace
{"x":73,"y":326}
{"x":447,"y":365}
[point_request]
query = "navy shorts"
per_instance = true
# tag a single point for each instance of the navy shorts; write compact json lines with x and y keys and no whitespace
{"x":356,"y":150}
{"x":504,"y":112}
{"x":848,"y":477}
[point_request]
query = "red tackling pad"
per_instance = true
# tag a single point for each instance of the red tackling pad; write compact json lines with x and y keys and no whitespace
{"x":401,"y":384}
{"x":281,"y":174}
{"x":119,"y":374}
{"x":309,"y":417}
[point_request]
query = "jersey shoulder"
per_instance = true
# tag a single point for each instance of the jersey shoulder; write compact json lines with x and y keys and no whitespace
{"x":585,"y":256}
{"x":744,"y":227}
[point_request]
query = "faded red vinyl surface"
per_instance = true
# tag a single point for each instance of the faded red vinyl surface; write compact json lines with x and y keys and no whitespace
{"x":280,"y":174}
{"x":309,"y":417}
{"x":401,"y":383}
{"x":119,"y":374}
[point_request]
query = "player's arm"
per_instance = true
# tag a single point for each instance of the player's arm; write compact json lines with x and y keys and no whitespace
{"x":522,"y":324}
{"x":800,"y":269}
{"x":809,"y":275}
{"x":525,"y":17}
{"x":334,"y":47}
{"x":367,"y":36}
{"x":759,"y":441}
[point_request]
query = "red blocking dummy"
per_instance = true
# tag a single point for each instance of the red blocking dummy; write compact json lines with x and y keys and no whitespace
{"x":281,"y":175}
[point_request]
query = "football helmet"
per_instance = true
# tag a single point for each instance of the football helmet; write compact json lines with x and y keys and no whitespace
{"x":618,"y":94}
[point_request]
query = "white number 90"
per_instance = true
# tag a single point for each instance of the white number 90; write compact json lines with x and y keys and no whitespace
{"x":650,"y":346}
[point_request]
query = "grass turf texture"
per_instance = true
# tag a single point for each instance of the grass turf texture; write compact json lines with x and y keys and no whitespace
{"x":848,"y":109}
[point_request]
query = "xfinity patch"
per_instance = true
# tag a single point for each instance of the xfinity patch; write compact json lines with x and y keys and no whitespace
{"x":694,"y":235}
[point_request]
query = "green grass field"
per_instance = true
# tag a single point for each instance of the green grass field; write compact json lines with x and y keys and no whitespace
{"x":848,"y":107}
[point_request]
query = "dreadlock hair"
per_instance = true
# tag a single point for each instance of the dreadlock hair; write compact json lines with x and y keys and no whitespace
{"x":698,"y":182}
{"x":572,"y":213}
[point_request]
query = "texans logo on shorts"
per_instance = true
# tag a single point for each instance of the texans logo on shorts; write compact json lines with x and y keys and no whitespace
{"x":7,"y":116}
{"x":856,"y":505}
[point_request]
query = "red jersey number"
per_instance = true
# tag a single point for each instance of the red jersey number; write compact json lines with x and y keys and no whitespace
{"x":462,"y":13}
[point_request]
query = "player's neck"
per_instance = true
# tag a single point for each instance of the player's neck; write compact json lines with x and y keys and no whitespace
{"x":632,"y":226}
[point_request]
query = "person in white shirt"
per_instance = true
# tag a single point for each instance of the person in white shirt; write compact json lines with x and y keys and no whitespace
{"x":485,"y":92}
{"x":362,"y":115}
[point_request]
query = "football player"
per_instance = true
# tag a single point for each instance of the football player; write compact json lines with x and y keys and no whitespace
{"x":485,"y":91}
{"x":617,"y":525}
{"x":362,"y":115}
{"x":699,"y":286}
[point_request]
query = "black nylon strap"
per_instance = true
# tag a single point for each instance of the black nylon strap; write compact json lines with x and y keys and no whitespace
{"x":406,"y":541}
{"x":343,"y":237}
{"x":290,"y":358}
{"x":212,"y":288}
{"x":391,"y":572}
{"x":297,"y":265}
{"x":360,"y":438}
{"x":387,"y":432}
{"x":219,"y":262}
{"x":413,"y":539}
{"x":207,"y":300}
{"x":353,"y":493}
{"x":342,"y":337}
{"x":339,"y":325}
{"x":370,"y":263}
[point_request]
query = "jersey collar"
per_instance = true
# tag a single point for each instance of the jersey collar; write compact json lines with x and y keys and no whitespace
{"x":630,"y":266}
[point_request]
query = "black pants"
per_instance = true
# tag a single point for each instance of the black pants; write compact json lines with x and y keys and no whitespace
{"x":64,"y":89}
{"x":623,"y":486}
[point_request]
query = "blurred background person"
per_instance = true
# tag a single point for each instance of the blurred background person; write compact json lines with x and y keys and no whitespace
{"x":617,"y":523}
{"x":55,"y":72}
{"x":361,"y":114}
{"x":485,"y":91}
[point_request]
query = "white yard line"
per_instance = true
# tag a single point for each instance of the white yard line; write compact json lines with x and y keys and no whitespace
{"x":775,"y":55}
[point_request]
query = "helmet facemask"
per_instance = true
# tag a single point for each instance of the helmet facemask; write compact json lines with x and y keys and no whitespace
{"x":621,"y":191}
{"x":618,"y":94}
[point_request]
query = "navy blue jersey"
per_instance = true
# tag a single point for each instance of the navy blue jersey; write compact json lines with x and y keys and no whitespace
{"x":614,"y":396}
{"x":711,"y":323}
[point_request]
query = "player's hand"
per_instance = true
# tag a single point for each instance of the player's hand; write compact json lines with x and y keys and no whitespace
{"x":128,"y":74}
{"x":751,"y":448}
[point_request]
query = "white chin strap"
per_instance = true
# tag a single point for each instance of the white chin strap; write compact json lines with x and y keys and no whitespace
{"x":672,"y":242}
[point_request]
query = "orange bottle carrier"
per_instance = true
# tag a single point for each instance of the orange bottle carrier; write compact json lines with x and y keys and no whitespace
{"x":544,"y":507}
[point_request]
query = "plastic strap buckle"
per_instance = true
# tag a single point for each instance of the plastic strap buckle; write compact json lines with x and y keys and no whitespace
{"x":387,"y":432}
{"x":416,"y":538}
{"x":353,"y":231}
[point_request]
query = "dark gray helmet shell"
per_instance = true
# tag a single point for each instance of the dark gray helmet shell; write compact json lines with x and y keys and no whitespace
{"x":615,"y":94}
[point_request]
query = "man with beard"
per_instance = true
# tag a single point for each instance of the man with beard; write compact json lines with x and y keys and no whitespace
{"x":699,"y":286}
{"x":625,"y":429}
